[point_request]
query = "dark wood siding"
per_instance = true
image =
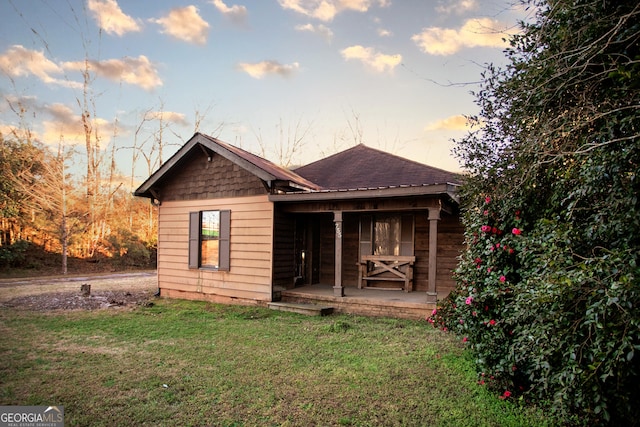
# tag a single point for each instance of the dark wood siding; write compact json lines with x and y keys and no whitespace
{"x":197,"y":179}
{"x":283,"y":249}
{"x":450,"y":245}
{"x":350,"y":232}
{"x":421,"y":267}
{"x":327,"y":249}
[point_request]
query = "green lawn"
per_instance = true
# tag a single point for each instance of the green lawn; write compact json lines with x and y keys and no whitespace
{"x":181,"y":363}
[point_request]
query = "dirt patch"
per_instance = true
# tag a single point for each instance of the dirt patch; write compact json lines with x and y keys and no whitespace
{"x":64,"y":293}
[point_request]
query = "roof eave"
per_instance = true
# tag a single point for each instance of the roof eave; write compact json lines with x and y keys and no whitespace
{"x":448,"y":189}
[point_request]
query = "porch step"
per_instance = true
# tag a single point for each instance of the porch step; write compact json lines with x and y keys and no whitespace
{"x":308,"y":309}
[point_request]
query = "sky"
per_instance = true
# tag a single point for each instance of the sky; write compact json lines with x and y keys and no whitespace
{"x":396,"y":75}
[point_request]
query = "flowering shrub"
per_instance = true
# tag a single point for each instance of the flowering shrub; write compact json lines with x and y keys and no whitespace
{"x":543,"y":323}
{"x":476,"y":310}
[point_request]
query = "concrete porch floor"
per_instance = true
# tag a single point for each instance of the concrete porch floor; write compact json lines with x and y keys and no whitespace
{"x":366,"y":302}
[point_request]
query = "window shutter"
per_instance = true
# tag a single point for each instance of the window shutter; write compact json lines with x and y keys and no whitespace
{"x":194,"y":239}
{"x":225,"y":247}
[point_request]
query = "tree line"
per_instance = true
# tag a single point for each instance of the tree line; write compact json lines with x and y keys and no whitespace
{"x":45,"y":201}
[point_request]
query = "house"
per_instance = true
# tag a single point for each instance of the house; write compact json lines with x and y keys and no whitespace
{"x":236,"y":228}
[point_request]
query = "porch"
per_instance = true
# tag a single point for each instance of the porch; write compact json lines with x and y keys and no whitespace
{"x":365,"y":302}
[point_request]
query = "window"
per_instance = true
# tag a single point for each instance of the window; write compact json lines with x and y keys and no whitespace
{"x":386,"y":234}
{"x":209,"y":239}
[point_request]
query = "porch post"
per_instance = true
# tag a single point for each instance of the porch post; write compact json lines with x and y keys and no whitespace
{"x":434,"y":217}
{"x":338,"y":290}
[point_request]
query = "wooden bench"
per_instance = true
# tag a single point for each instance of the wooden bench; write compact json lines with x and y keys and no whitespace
{"x":386,"y":268}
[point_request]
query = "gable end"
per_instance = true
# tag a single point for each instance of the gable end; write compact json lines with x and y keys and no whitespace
{"x":198,"y":178}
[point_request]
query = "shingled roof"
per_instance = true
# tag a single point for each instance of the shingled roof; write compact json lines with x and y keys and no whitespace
{"x":363,"y":167}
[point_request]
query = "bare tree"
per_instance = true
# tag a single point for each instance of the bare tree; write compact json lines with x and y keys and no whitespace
{"x":290,"y":143}
{"x":47,"y":189}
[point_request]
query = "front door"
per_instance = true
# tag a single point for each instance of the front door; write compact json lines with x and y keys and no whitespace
{"x":307,"y":250}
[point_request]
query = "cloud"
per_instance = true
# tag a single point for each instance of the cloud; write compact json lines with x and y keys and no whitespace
{"x":377,"y":61}
{"x":169,"y":116}
{"x":481,"y":32}
{"x":68,"y":126}
{"x":458,"y":7}
{"x":326,"y":10}
{"x":457,"y":122}
{"x":58,"y":122}
{"x":19,"y":104}
{"x":384,"y":33}
{"x":60,"y":112}
{"x":260,"y":69}
{"x":136,"y":71}
{"x":19,"y":133}
{"x":19,"y":61}
{"x":110,"y":17}
{"x":320,"y":29}
{"x":237,"y":14}
{"x":185,"y":24}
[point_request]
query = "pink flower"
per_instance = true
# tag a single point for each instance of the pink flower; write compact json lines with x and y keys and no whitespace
{"x":474,"y":314}
{"x":505,"y":395}
{"x":503,"y":279}
{"x":494,"y":230}
{"x":461,"y":321}
{"x":435,"y":310}
{"x":486,"y":213}
{"x":516,"y":231}
{"x":469,"y":300}
{"x":487,"y":199}
{"x":485,"y":228}
{"x":464,"y":339}
{"x":492,"y":322}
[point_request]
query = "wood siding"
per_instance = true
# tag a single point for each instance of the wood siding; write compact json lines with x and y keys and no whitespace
{"x":249,"y":276}
{"x":284,"y":263}
{"x":450,"y":244}
{"x":351,"y":234}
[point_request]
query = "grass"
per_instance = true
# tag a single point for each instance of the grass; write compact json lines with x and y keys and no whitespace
{"x":193,"y":363}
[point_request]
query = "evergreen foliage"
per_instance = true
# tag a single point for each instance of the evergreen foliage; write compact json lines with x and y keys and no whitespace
{"x":549,"y":286}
